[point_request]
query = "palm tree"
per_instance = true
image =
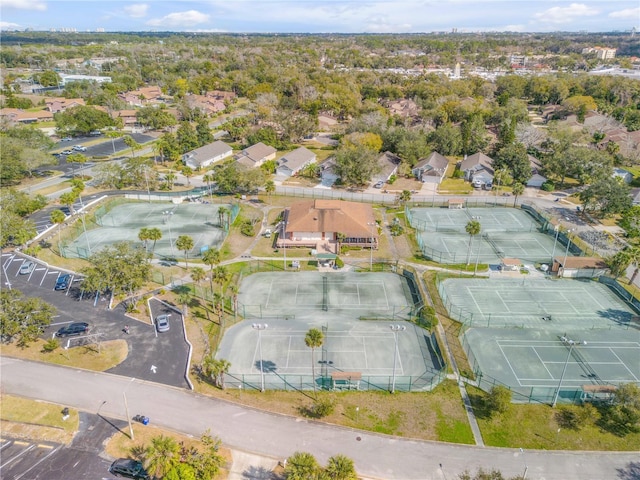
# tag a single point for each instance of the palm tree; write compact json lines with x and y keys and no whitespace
{"x":161,"y":455}
{"x":184,"y":298}
{"x":216,"y":369}
{"x":209,"y":178}
{"x":113,"y":134}
{"x":473,"y":228}
{"x":211,"y":257}
{"x":68,"y":199}
{"x":197,"y":275}
{"x":154,"y":234}
{"x":301,"y":466}
{"x":184,"y":243}
{"x":618,"y":263}
{"x":314,"y":339}
{"x":340,"y":237}
{"x":223,"y":212}
{"x":234,"y":292}
{"x":403,"y":197}
{"x":221,"y":275}
{"x":170,"y":178}
{"x":58,"y":217}
{"x":269,"y":188}
{"x":340,"y":467}
{"x":633,"y":255}
{"x":502,"y":177}
{"x":75,"y":158}
{"x":143,"y":236}
{"x":132,"y":144}
{"x":188,"y":173}
{"x":518,"y":189}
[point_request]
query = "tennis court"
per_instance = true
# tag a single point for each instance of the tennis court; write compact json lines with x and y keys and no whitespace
{"x":535,"y":303}
{"x":505,"y":232}
{"x":354,"y":312}
{"x":538,"y":363}
{"x":123,"y":223}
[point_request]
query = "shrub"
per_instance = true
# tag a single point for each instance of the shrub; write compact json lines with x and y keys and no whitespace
{"x":498,"y":400}
{"x":458,"y":173}
{"x":548,"y":186}
{"x":392,"y":179}
{"x":339,"y":262}
{"x":322,"y":407}
{"x":50,"y":345}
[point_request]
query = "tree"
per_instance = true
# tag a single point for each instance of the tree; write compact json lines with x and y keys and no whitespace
{"x":185,"y":244}
{"x":156,"y":118}
{"x":161,"y":455}
{"x":68,"y":199}
{"x":208,"y":461}
{"x":630,"y":222}
{"x":630,"y":256}
{"x":269,"y":188}
{"x":220,"y":275}
{"x":154,"y":234}
{"x":75,"y":158}
{"x":82,"y":120}
{"x":132,"y":144}
{"x":23,"y":318}
{"x":188,"y":173}
{"x":517,"y":189}
{"x":340,"y":467}
{"x":203,"y":132}
{"x":209,"y":179}
{"x":211,"y":257}
{"x":198,"y":274}
{"x":403,"y":197}
{"x":15,"y":230}
{"x":314,"y":339}
{"x":473,"y":228}
{"x":58,"y":217}
{"x":515,"y":158}
{"x":474,"y":135}
{"x":625,"y":411}
{"x":301,"y":466}
{"x":502,"y":177}
{"x":215,"y":369}
{"x":48,"y":78}
{"x":187,"y":137}
{"x":356,"y":166}
{"x":446,"y":139}
{"x":606,"y":197}
{"x":482,"y":474}
{"x":618,"y":263}
{"x":498,"y":400}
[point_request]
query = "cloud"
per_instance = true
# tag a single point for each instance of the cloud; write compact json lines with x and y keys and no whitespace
{"x":24,"y":4}
{"x":180,"y":19}
{"x":9,"y":26}
{"x":631,"y":13}
{"x":566,"y":14}
{"x":137,"y":10}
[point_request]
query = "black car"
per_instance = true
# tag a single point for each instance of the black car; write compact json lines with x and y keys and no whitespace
{"x":62,"y":282}
{"x":126,"y":467}
{"x":77,"y":328}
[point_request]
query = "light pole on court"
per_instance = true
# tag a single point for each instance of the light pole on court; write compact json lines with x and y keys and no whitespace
{"x":526,"y":467}
{"x":395,"y":329}
{"x":553,"y":252}
{"x":260,"y":327}
{"x":566,"y":252}
{"x":371,"y":224}
{"x":572,"y":343}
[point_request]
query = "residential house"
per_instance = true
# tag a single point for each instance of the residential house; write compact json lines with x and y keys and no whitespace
{"x":207,"y":104}
{"x":431,"y":169}
{"x":295,"y":161}
{"x":635,"y":196}
{"x":204,"y":156}
{"x":143,"y":96}
{"x":322,"y":224}
{"x":478,"y":169}
{"x":388,"y":166}
{"x":255,"y":155}
{"x":129,"y":117}
{"x":60,"y":104}
{"x":624,"y":175}
{"x":326,"y":122}
{"x":16,"y":115}
{"x":328,"y":175}
{"x":537,"y":179}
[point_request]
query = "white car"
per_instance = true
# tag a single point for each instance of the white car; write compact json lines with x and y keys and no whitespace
{"x":79,"y":148}
{"x":27,"y":267}
{"x":162,"y":323}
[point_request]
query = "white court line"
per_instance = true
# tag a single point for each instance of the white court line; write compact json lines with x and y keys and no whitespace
{"x":386,"y":298}
{"x":509,"y":363}
{"x":266,"y":304}
{"x":358,"y":292}
{"x":623,"y":364}
{"x":502,"y":300}
{"x":288,"y":351}
{"x":364,"y":350}
{"x":474,"y":301}
{"x":542,"y":361}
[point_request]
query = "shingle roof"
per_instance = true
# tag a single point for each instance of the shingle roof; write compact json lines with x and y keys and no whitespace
{"x":212,"y":150}
{"x":297,"y":158}
{"x":350,"y":218}
{"x":476,"y":159}
{"x":435,"y":161}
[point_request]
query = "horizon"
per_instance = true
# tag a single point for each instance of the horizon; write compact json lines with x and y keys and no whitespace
{"x":348,"y":17}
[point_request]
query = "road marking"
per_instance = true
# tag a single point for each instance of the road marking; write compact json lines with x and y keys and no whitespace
{"x":154,"y":368}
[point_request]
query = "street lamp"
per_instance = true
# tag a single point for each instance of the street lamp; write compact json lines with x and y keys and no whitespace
{"x":526,"y":467}
{"x":259,"y":327}
{"x":395,"y":329}
{"x":566,"y":252}
{"x":371,"y":224}
{"x":572,"y":343}
{"x":553,"y":252}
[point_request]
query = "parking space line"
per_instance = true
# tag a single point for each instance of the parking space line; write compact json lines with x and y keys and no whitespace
{"x":20,"y":454}
{"x":53,"y":450}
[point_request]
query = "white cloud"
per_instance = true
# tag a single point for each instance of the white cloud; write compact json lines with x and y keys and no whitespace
{"x":180,"y":19}
{"x":631,"y":13}
{"x":566,"y":14}
{"x":137,"y":10}
{"x":10,"y":26}
{"x":24,"y":4}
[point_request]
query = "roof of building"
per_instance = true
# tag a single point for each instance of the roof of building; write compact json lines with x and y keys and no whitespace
{"x":297,"y":158}
{"x":512,"y":262}
{"x":254,"y":154}
{"x":581,"y":262}
{"x":388,"y":163}
{"x":475,"y":160}
{"x":434,"y":161}
{"x":207,"y":152}
{"x":349,"y":218}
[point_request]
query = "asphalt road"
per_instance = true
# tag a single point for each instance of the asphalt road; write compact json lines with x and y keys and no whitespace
{"x":375,"y":456}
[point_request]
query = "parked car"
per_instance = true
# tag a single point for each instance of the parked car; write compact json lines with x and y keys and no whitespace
{"x":76,"y":328}
{"x":27,"y":267}
{"x":66,"y":152}
{"x":162,"y":323}
{"x":79,"y":148}
{"x":66,"y":139}
{"x":95,"y":133}
{"x":62,"y":282}
{"x":379,"y":184}
{"x":267,"y":233}
{"x":129,"y":468}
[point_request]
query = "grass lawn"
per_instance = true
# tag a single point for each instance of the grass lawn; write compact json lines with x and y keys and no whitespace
{"x":111,"y":354}
{"x":539,"y":427}
{"x":36,"y":420}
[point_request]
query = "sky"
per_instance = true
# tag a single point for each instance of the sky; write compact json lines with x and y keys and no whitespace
{"x":322,"y":16}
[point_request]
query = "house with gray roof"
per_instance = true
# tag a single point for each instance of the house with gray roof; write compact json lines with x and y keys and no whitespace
{"x":537,"y":179}
{"x":388,"y":165}
{"x":204,"y":156}
{"x":478,"y":169}
{"x":295,"y":161}
{"x":431,"y":169}
{"x":255,"y":155}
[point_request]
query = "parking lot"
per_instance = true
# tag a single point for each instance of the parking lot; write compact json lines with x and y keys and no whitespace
{"x":153,"y":356}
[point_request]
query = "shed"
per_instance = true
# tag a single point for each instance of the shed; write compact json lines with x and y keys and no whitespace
{"x":511,"y":264}
{"x":579,"y":267}
{"x":345,"y":380}
{"x":456,"y":203}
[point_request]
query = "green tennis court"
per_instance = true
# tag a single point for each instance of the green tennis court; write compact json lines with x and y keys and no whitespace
{"x":123,"y":223}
